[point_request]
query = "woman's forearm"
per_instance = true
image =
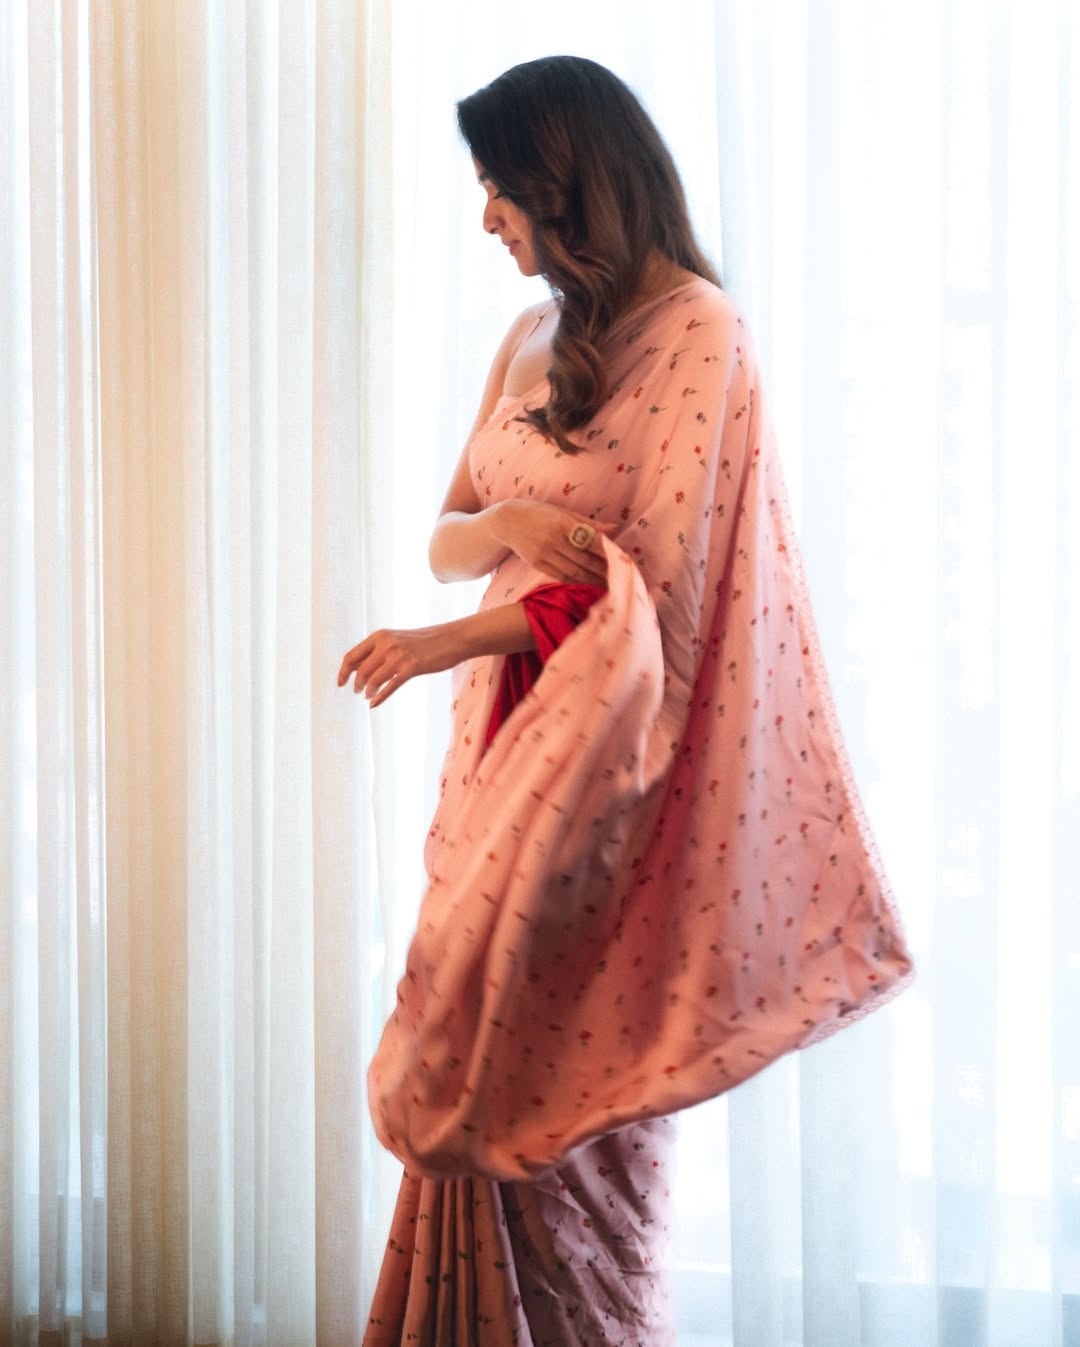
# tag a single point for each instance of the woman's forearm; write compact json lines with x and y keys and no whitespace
{"x":466,"y":546}
{"x":493,"y":631}
{"x":386,"y":659}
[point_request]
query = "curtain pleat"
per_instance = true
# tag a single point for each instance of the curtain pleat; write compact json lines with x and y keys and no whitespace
{"x":341,"y":385}
{"x":18,"y":1226}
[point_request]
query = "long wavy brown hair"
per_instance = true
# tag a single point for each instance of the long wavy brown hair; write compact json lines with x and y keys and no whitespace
{"x":571,"y":145}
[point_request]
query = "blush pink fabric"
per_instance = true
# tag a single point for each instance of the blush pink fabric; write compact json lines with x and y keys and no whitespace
{"x":657,"y":878}
{"x":578,"y":1256}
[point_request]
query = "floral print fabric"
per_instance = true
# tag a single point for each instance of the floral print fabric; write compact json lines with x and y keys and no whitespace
{"x":658,"y":878}
{"x":574,"y":1259}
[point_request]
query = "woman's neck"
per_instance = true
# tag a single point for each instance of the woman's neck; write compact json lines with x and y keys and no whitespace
{"x":659,"y":276}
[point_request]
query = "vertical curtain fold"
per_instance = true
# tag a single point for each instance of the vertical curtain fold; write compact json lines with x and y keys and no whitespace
{"x":147,"y":667}
{"x":10,"y":665}
{"x":230,"y":145}
{"x":49,"y":253}
{"x":18,"y":1229}
{"x":289,"y":1025}
{"x":349,"y":132}
{"x":65,"y":980}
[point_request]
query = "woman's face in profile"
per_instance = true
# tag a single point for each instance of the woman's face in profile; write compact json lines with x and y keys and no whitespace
{"x":509,"y":222}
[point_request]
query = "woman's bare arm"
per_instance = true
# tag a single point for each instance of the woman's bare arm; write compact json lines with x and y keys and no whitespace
{"x":385,"y":660}
{"x":470,"y":539}
{"x":467,"y":541}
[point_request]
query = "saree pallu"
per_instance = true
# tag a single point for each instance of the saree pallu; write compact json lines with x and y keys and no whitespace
{"x":656,"y":877}
{"x":576,"y":1257}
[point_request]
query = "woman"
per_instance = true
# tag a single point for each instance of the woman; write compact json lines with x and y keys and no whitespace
{"x":649,"y":872}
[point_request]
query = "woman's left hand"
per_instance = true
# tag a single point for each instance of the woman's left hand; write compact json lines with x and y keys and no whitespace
{"x":386,"y":659}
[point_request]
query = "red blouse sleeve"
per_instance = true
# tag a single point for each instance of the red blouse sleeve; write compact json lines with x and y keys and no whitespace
{"x":553,"y":611}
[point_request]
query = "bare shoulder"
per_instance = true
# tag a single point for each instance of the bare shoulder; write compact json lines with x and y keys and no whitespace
{"x":507,"y":358}
{"x":528,"y":318}
{"x":518,"y":332}
{"x":530,"y":358}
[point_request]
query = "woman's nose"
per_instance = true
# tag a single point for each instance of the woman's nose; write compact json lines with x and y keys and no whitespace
{"x":492,"y":216}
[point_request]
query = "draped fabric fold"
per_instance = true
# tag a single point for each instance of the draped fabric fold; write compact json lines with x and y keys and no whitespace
{"x":583,"y":1252}
{"x":658,"y":878}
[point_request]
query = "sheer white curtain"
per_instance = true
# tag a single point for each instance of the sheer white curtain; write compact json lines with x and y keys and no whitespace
{"x":245,"y":313}
{"x":194,"y":207}
{"x":900,"y":203}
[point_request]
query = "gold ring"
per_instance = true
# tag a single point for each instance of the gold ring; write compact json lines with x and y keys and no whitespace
{"x":581,"y":536}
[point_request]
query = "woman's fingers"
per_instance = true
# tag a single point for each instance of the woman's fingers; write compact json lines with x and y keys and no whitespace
{"x":352,"y":660}
{"x":587,"y":564}
{"x":575,"y":565}
{"x":385,"y":660}
{"x":541,"y":534}
{"x":579,"y":572}
{"x":376,"y":671}
{"x":364,"y":663}
{"x":390,"y":686}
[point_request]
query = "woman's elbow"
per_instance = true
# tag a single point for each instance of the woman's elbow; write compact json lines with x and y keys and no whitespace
{"x":437,"y":561}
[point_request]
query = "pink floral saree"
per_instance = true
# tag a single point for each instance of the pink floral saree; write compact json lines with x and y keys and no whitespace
{"x":654,"y":881}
